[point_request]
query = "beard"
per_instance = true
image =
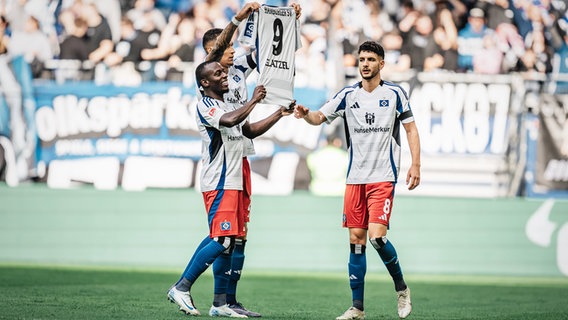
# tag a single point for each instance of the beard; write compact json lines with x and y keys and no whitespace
{"x":369,"y":76}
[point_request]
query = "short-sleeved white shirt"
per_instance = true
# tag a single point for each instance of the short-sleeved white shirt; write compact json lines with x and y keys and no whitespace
{"x":372,"y":122}
{"x":222,"y":148}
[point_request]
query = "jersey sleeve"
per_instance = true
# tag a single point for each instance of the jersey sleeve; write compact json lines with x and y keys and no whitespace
{"x":245,"y":63}
{"x":403,"y":110}
{"x":210,"y":112}
{"x":298,"y":34}
{"x":247,"y":37}
{"x":335,"y":107}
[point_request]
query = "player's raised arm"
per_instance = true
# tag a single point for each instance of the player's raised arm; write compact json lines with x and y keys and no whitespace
{"x":225,"y":38}
{"x":237,"y":116}
{"x":312,"y":117}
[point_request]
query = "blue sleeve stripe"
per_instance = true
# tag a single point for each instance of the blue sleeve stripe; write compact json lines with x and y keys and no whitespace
{"x":203,"y":119}
{"x":221,"y":184}
{"x":393,"y":165}
{"x":241,"y":68}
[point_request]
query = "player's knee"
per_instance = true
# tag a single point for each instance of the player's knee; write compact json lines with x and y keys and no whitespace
{"x":227,"y":242}
{"x":378,"y":243}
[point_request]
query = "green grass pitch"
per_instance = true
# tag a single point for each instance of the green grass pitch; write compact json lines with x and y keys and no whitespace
{"x":36,"y":292}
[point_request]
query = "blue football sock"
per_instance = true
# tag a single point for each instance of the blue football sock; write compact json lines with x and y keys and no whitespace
{"x":221,"y":274}
{"x":202,"y":260}
{"x":203,"y":243}
{"x":357,"y":271}
{"x":390,"y":258}
{"x":237,"y":262}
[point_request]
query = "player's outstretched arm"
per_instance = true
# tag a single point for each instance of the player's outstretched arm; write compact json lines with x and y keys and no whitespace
{"x":239,"y":115}
{"x":253,"y":130}
{"x":413,"y":175}
{"x":312,"y":117}
{"x":224,"y":39}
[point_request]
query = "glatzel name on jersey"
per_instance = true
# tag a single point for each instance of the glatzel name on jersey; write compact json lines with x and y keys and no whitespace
{"x":277,"y":64}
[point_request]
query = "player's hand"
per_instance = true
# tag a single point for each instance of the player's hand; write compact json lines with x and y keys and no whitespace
{"x":259,"y":93}
{"x":298,"y":9}
{"x":413,"y":177}
{"x":286,"y":111}
{"x":247,"y":10}
{"x":300,"y":111}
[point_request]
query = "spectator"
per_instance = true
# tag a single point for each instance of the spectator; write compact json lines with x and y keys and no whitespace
{"x":99,"y":37}
{"x":470,"y":39}
{"x":446,"y":35}
{"x":498,"y":12}
{"x":419,"y":50}
{"x":110,"y":11}
{"x":144,"y":13}
{"x":511,"y":45}
{"x":488,"y":60}
{"x":32,"y":44}
{"x":392,"y":43}
{"x":74,"y":46}
{"x":184,"y":43}
{"x":130,"y":46}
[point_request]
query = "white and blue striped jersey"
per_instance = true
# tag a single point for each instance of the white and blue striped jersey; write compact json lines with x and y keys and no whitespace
{"x":221,"y":148}
{"x":275,"y":33}
{"x":372,"y":125}
{"x":237,"y":95}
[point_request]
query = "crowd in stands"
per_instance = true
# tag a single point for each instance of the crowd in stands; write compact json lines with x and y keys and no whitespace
{"x":156,"y":39}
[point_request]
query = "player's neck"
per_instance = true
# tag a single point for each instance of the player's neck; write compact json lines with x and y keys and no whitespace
{"x":371,"y":84}
{"x":214,"y":95}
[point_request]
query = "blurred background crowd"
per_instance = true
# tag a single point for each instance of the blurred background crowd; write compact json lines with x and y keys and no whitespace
{"x":128,"y":41}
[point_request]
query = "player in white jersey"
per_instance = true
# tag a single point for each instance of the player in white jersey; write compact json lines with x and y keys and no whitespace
{"x":373,"y":111}
{"x":275,"y":33}
{"x":219,"y":47}
{"x":222,"y":132}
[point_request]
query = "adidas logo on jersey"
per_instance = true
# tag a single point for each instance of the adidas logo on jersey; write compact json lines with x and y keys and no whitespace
{"x":353,"y":277}
{"x":355,"y":106}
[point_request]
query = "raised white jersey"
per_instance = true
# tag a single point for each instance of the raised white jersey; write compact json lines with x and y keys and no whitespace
{"x":237,"y":95}
{"x":221,"y":148}
{"x":372,"y":125}
{"x":275,"y":33}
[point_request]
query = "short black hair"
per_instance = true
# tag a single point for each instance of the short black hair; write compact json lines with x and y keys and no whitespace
{"x":210,"y":35}
{"x":200,"y":72}
{"x":372,"y":46}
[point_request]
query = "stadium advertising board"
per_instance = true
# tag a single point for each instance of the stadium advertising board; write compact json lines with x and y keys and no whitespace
{"x":547,"y":163}
{"x":145,"y":137}
{"x":466,"y":125}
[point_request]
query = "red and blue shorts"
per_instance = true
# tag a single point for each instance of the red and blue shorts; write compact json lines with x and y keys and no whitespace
{"x":367,"y":203}
{"x":224,"y":213}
